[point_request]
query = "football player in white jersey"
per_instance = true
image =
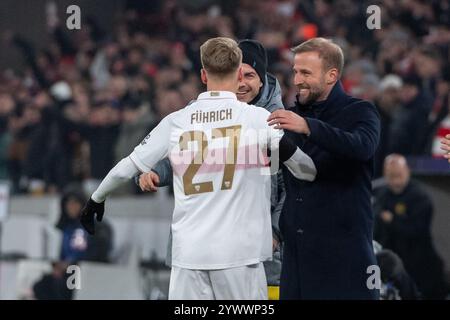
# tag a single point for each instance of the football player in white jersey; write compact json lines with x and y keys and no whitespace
{"x":221,"y":183}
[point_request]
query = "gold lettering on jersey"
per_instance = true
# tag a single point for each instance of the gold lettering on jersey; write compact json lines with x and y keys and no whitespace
{"x":211,"y":116}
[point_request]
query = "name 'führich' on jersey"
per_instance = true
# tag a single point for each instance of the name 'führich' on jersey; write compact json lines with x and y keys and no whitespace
{"x":211,"y":116}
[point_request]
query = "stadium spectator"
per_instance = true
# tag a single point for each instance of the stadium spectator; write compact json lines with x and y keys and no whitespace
{"x":77,"y":245}
{"x":396,"y":282}
{"x":388,"y":105}
{"x":157,"y":49}
{"x":411,"y":126}
{"x":403,"y":224}
{"x":53,"y":286}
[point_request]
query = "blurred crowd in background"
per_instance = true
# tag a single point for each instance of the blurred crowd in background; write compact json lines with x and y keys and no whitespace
{"x":84,"y":101}
{"x":91,"y":95}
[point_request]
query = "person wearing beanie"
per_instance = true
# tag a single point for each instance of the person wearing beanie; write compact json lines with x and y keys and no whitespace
{"x":257,"y":86}
{"x":254,"y":70}
{"x":260,"y":88}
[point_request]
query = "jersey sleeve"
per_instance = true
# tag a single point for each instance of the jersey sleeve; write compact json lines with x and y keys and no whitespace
{"x":268,"y":136}
{"x":154,"y":147}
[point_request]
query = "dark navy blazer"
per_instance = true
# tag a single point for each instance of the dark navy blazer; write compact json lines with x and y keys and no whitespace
{"x":327,"y":224}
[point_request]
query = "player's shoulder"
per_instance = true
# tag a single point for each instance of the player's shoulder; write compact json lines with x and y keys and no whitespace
{"x":256,"y":115}
{"x":254,"y":110}
{"x":260,"y":114}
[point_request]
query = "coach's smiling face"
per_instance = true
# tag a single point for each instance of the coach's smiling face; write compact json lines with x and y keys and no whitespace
{"x":312,"y":82}
{"x":250,"y":84}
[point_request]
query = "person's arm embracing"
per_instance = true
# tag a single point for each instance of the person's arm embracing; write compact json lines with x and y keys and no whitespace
{"x":95,"y":207}
{"x":282,"y":148}
{"x":152,"y":149}
{"x":358,"y":142}
{"x":164,"y":171}
{"x":161,"y":175}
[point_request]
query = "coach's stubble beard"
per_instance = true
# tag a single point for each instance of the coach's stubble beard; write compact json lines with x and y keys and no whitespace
{"x":308,"y":94}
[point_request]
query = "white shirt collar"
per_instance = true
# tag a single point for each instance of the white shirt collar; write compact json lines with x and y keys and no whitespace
{"x":217,"y":95}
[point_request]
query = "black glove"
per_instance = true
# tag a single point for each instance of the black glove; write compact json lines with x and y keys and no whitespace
{"x":88,"y":212}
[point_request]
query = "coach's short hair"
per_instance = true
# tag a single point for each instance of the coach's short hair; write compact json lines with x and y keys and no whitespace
{"x":330,"y":53}
{"x":220,"y":56}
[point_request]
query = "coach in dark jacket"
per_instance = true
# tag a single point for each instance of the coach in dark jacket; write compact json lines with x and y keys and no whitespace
{"x":327,"y":224}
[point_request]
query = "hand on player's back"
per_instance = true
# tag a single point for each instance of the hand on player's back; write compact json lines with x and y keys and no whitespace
{"x":149,"y":181}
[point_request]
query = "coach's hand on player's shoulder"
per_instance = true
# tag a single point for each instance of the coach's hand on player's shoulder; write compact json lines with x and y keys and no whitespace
{"x":149,"y":181}
{"x":88,"y":213}
{"x":288,"y":120}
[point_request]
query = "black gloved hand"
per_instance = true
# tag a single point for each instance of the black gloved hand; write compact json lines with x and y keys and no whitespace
{"x":88,"y":212}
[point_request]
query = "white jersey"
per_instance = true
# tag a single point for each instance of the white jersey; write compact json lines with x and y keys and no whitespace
{"x":221,"y":183}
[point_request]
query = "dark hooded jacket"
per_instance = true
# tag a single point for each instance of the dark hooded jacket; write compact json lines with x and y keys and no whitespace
{"x":77,"y":244}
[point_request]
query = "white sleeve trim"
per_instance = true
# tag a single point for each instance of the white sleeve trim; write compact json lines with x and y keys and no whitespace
{"x":121,"y":173}
{"x":301,"y":166}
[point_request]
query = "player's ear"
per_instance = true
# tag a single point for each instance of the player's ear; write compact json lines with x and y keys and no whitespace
{"x":203,"y":76}
{"x":240,"y":74}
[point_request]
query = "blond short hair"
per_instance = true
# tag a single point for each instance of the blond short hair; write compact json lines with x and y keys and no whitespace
{"x":330,"y":53}
{"x":220,"y":56}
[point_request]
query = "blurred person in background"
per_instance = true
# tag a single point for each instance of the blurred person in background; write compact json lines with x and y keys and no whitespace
{"x":388,"y":106}
{"x":53,"y":286}
{"x":136,"y":122}
{"x":397,"y":284}
{"x":167,"y":101}
{"x":427,"y":65}
{"x":23,"y":124}
{"x":429,"y":68}
{"x":109,"y":63}
{"x":77,"y":244}
{"x":7,"y":106}
{"x":100,"y":130}
{"x":410,"y":127}
{"x":47,"y":161}
{"x":403,"y":216}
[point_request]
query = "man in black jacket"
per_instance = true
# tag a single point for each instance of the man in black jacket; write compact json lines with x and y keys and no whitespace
{"x":327,"y":224}
{"x":403,"y":216}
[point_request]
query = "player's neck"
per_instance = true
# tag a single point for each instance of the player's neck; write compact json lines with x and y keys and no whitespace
{"x":222,"y":86}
